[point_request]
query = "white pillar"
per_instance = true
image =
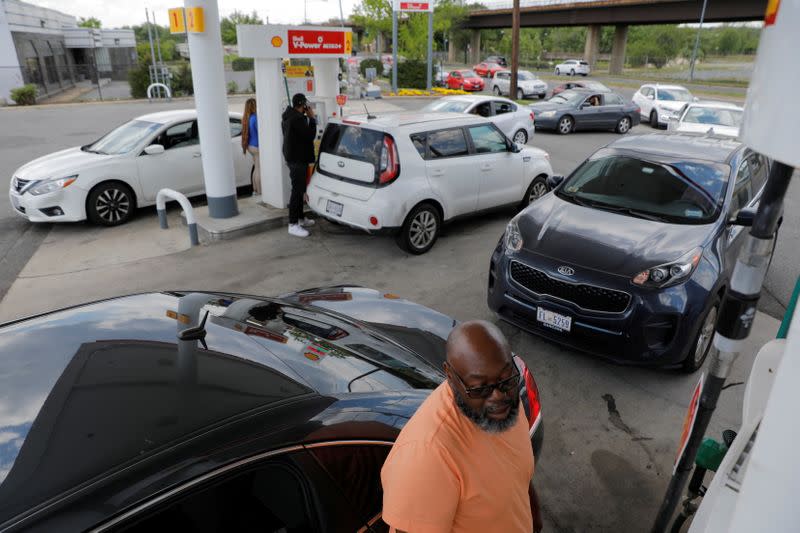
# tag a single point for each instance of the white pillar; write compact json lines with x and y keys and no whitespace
{"x":10,"y":73}
{"x":326,"y":81}
{"x":211,"y":101}
{"x":270,"y":95}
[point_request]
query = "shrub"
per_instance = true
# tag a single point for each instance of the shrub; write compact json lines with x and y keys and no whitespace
{"x":371,"y":63}
{"x":25,"y":95}
{"x":233,"y":87}
{"x":412,"y":74}
{"x":241,"y":64}
{"x":182,"y":84}
{"x":139,"y":80}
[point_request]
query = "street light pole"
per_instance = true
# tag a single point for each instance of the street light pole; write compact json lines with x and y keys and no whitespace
{"x":512,"y":91}
{"x":697,"y":41}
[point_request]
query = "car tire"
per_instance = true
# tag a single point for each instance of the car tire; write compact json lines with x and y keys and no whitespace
{"x":520,"y":136}
{"x":542,"y":96}
{"x":565,"y":125}
{"x":703,"y":340}
{"x":520,"y":94}
{"x":421,"y":229}
{"x":572,"y":72}
{"x":496,"y":90}
{"x":654,"y":119}
{"x":623,"y":125}
{"x":110,"y":203}
{"x":558,"y":72}
{"x":536,"y":190}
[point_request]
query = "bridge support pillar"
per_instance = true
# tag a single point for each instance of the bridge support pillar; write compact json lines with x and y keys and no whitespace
{"x":592,"y":44}
{"x":617,"y":62}
{"x":475,"y":46}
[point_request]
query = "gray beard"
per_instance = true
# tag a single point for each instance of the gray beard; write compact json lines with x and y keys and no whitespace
{"x":482,"y":420}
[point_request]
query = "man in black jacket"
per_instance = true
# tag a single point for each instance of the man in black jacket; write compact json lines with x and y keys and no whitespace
{"x":299,"y":129}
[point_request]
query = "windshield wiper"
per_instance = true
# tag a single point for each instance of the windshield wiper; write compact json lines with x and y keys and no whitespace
{"x":619,"y":209}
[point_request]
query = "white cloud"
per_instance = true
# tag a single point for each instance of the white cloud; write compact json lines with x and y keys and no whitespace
{"x":117,"y":14}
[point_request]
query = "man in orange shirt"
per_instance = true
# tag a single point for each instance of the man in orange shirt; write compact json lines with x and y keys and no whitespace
{"x":464,"y":461}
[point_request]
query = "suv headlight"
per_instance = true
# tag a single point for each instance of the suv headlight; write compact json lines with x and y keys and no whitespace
{"x":513,"y":237}
{"x":670,"y":273}
{"x":46,"y":186}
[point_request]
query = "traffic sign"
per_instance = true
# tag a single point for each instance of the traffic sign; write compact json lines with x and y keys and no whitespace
{"x":177,"y":24}
{"x":404,"y":5}
{"x":195,"y":21}
{"x":341,"y":99}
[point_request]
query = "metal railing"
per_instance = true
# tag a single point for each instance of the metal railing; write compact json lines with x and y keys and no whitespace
{"x":161,"y":207}
{"x":160,"y":86}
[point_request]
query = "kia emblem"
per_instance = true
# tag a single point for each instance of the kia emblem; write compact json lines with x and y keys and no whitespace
{"x":566,"y":271}
{"x":341,"y":164}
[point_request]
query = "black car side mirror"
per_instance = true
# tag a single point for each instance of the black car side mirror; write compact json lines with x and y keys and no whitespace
{"x":744,"y":217}
{"x":554,"y":181}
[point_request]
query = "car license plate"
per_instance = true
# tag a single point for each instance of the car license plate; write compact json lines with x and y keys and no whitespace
{"x":554,"y":320}
{"x":334,"y":208}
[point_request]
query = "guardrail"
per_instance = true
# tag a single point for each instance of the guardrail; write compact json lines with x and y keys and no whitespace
{"x":160,"y":85}
{"x":161,"y":207}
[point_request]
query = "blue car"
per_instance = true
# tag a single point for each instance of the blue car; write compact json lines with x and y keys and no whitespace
{"x":629,"y":257}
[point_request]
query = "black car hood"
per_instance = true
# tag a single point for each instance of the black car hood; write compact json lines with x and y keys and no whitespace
{"x":602,"y":240}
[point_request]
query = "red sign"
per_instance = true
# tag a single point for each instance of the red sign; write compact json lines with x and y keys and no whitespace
{"x":688,"y":422}
{"x":317,"y":42}
{"x":341,"y":99}
{"x":415,"y":6}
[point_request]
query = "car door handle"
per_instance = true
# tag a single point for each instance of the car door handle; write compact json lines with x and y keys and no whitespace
{"x":437,"y":172}
{"x":196,"y":154}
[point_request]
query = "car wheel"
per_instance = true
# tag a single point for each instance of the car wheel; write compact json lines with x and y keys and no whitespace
{"x":536,"y":190}
{"x":565,"y":125}
{"x":558,"y":72}
{"x":572,"y":72}
{"x":496,"y":90}
{"x":521,"y":137}
{"x":703,"y":340}
{"x":624,"y":125}
{"x":421,"y":229}
{"x":110,"y":204}
{"x":520,"y":94}
{"x":654,"y":119}
{"x":541,"y":96}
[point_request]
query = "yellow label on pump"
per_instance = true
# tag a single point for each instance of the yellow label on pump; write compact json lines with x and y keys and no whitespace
{"x":195,"y":21}
{"x":348,"y":43}
{"x":177,"y":24}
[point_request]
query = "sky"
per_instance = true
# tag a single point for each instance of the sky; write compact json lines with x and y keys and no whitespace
{"x":118,"y":14}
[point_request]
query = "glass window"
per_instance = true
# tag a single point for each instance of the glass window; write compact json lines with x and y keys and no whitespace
{"x":647,"y":91}
{"x":742,"y":188}
{"x":469,"y":74}
{"x":357,"y":471}
{"x":568,"y":97}
{"x":447,"y":106}
{"x":758,"y":167}
{"x":713,"y":116}
{"x":613,"y":99}
{"x":487,"y":140}
{"x":419,"y":143}
{"x":353,"y":142}
{"x":483,"y":110}
{"x":447,"y":143}
{"x":125,"y":138}
{"x":236,"y":127}
{"x":686,"y":192}
{"x":524,"y":75}
{"x":501,"y":108}
{"x":674,"y":95}
{"x":179,"y":136}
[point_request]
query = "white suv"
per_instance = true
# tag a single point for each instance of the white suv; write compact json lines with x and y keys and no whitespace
{"x":657,"y":103}
{"x":571,"y":67}
{"x":527,"y":84}
{"x":407,"y":174}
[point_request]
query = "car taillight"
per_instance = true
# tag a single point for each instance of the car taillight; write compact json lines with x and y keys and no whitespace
{"x":532,"y":392}
{"x":533,"y":117}
{"x":390,"y":165}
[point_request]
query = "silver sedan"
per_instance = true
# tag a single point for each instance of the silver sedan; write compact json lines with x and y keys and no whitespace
{"x":514,"y":120}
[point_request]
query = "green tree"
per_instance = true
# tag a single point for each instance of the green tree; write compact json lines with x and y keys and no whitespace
{"x":228,"y":24}
{"x":375,"y":16}
{"x":413,"y":36}
{"x":91,"y":22}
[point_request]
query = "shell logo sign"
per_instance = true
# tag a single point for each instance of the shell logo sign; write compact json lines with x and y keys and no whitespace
{"x":277,"y":42}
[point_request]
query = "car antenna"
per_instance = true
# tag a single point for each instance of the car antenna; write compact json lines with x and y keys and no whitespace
{"x":368,"y":115}
{"x":197,"y":333}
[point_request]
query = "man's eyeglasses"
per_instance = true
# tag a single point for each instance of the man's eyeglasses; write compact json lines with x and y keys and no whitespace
{"x":484,"y":391}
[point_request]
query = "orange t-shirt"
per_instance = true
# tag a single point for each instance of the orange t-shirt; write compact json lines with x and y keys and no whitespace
{"x":446,"y":474}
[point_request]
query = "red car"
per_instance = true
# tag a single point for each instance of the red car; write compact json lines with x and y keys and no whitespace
{"x":487,"y":70}
{"x":465,"y":80}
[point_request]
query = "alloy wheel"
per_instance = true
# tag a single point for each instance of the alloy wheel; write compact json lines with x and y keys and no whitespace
{"x":705,"y":336}
{"x":538,"y":190}
{"x":422,"y":230}
{"x":624,"y":125}
{"x":565,"y":125}
{"x":113,"y":205}
{"x":521,"y":137}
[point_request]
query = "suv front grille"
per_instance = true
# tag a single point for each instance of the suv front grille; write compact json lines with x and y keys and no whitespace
{"x":588,"y":297}
{"x":20,"y":184}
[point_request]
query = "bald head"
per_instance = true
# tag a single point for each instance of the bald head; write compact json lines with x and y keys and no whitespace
{"x":478,"y":349}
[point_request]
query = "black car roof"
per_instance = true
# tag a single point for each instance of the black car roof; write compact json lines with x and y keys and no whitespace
{"x":88,"y":390}
{"x":683,"y":145}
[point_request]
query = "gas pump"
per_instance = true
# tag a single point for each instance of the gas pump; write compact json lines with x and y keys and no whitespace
{"x":757,"y":471}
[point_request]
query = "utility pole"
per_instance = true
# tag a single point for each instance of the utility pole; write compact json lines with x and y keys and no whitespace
{"x":152,"y":51}
{"x":512,"y":92}
{"x":697,"y":41}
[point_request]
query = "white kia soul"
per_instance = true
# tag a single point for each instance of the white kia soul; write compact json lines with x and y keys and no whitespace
{"x":407,"y":174}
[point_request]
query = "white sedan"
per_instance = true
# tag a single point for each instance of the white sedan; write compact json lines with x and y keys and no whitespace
{"x":107,"y":180}
{"x":708,"y":117}
{"x":515,"y":121}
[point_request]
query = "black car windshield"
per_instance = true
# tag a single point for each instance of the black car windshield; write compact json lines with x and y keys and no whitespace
{"x":681,"y":192}
{"x":674,"y":95}
{"x":568,"y":97}
{"x":123,"y":139}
